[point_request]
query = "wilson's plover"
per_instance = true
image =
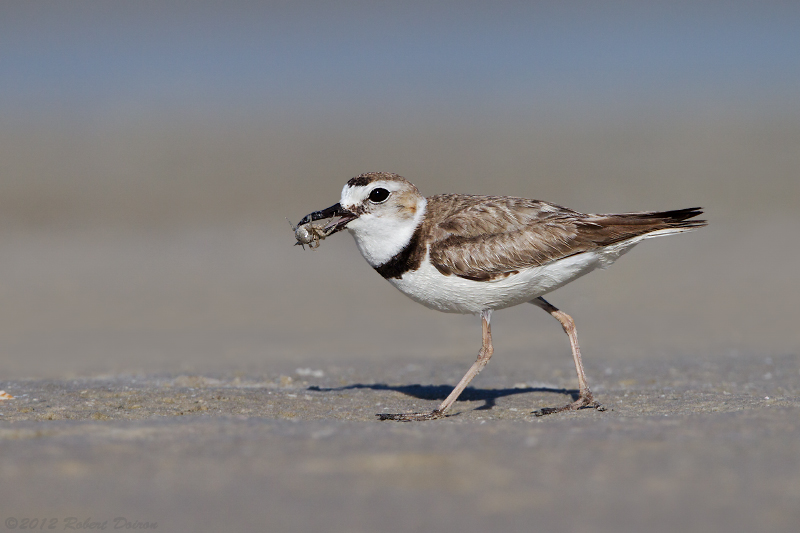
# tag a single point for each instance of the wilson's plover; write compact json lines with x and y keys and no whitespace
{"x":474,"y":254}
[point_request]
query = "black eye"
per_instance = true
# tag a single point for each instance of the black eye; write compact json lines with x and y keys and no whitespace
{"x":378,"y":195}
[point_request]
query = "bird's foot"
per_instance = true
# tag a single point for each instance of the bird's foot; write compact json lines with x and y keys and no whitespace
{"x":584,"y":401}
{"x":411,"y":417}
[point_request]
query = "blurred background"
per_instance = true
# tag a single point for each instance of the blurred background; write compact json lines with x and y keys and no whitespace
{"x":151,"y":150}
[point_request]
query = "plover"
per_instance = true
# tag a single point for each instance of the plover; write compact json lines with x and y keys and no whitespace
{"x":460,"y":253}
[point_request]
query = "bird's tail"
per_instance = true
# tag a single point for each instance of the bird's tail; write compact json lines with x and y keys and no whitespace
{"x":612,"y":228}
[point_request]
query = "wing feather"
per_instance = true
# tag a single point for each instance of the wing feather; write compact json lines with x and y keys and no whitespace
{"x":487,"y":237}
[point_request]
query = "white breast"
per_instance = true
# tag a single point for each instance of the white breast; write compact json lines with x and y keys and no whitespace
{"x":453,"y":294}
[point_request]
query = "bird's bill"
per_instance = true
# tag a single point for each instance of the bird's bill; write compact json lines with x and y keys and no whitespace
{"x":334,"y":211}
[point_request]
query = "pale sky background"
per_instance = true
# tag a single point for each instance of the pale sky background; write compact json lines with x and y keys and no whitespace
{"x":306,"y":57}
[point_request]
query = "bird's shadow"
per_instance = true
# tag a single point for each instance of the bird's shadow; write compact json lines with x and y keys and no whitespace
{"x":440,"y":392}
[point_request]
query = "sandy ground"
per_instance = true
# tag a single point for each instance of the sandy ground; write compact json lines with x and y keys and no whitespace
{"x":202,"y":374}
{"x":709,"y":446}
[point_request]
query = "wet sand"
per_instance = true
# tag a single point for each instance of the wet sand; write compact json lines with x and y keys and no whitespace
{"x":698,"y":446}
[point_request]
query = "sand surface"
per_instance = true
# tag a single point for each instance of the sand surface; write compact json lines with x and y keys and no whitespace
{"x":708,"y":446}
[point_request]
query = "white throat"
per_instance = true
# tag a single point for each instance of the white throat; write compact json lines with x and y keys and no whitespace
{"x":379,"y":238}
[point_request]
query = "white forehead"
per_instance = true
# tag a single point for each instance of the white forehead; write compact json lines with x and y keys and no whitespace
{"x":355,"y":194}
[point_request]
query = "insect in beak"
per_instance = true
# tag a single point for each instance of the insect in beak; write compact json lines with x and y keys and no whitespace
{"x":307,"y":232}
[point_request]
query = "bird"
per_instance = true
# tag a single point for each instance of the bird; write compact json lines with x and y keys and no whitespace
{"x":475,"y":254}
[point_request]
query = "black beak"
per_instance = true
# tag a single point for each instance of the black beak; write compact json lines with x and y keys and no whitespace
{"x":335,"y":210}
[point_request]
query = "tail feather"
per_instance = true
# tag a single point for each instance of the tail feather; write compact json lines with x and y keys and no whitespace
{"x":612,"y":228}
{"x":676,"y":217}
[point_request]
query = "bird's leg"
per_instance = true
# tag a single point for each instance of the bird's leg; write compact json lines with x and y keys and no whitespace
{"x":585,"y":398}
{"x":483,"y":357}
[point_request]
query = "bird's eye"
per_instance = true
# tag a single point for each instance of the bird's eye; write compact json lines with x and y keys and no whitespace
{"x":378,"y":195}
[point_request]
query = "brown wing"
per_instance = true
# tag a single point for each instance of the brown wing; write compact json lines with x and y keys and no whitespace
{"x":486,"y":237}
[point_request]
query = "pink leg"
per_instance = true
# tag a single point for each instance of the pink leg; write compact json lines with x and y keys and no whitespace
{"x":483,"y":357}
{"x":585,"y":398}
